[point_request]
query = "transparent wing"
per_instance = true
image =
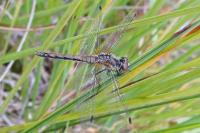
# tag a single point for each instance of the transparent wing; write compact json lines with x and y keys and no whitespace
{"x":103,"y":12}
{"x":89,"y":43}
{"x":97,"y":45}
{"x":116,"y":36}
{"x":94,"y":90}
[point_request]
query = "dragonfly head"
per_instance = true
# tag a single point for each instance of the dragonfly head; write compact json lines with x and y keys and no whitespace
{"x":124,"y":64}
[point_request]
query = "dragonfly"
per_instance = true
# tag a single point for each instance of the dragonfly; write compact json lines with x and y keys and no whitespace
{"x":108,"y":61}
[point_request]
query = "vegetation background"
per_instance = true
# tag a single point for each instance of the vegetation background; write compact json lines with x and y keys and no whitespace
{"x":160,"y":91}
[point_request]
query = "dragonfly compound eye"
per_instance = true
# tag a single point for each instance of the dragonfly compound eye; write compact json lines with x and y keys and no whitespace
{"x":124,"y":63}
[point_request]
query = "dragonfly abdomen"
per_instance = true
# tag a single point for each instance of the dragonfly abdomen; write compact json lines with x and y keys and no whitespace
{"x":88,"y":59}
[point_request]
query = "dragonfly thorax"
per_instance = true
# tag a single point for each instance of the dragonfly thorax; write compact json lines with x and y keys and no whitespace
{"x":112,"y":63}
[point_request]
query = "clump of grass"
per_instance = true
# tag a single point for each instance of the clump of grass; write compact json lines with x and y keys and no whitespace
{"x":160,"y":91}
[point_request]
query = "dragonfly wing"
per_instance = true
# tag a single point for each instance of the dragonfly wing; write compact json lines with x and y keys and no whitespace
{"x":89,"y":42}
{"x":94,"y":90}
{"x":103,"y":11}
{"x":97,"y":45}
{"x":92,"y":42}
{"x":114,"y":38}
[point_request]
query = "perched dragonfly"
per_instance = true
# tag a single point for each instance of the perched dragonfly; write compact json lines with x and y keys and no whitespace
{"x":108,"y":61}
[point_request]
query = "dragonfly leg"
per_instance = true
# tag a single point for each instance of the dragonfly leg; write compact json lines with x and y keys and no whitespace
{"x":121,"y":98}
